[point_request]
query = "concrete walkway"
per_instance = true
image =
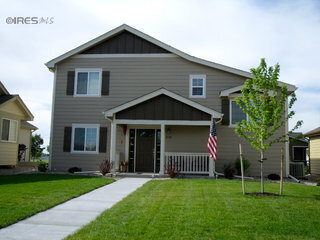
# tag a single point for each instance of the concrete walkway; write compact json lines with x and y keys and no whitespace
{"x":66,"y":218}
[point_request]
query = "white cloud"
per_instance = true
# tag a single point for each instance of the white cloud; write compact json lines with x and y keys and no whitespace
{"x":235,"y":33}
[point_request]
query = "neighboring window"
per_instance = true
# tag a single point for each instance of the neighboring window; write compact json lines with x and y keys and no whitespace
{"x":88,"y":82}
{"x":9,"y":130}
{"x":197,"y":86}
{"x":299,"y":153}
{"x":85,"y":138}
{"x":236,"y":113}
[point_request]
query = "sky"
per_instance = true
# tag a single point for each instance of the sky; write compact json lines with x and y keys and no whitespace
{"x":236,"y":33}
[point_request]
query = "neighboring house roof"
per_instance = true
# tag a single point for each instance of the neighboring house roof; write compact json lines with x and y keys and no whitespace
{"x":313,"y":133}
{"x":298,"y":136}
{"x":51,"y":64}
{"x":3,"y":90}
{"x":28,"y":125}
{"x":110,"y":112}
{"x":5,"y":99}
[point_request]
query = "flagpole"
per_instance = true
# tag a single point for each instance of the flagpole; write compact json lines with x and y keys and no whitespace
{"x":242,"y":173}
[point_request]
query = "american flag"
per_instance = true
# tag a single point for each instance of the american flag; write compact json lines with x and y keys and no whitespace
{"x":212,"y":141}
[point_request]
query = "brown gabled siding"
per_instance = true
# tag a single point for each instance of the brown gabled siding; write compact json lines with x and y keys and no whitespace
{"x":163,"y":108}
{"x":124,"y":43}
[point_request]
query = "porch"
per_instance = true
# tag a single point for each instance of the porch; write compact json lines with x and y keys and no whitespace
{"x":147,"y":149}
{"x":161,"y":130}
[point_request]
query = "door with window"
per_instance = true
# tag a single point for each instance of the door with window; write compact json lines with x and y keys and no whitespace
{"x":145,"y":150}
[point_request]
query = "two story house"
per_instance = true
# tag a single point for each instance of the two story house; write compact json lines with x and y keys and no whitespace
{"x":15,"y":130}
{"x":126,"y":96}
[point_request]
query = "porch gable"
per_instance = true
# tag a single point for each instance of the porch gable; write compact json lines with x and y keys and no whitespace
{"x":163,"y":107}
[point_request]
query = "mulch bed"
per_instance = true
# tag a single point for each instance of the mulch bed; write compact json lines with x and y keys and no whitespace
{"x":265,"y":194}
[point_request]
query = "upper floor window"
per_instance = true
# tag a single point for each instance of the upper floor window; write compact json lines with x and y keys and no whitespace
{"x":197,"y":86}
{"x":85,"y":138}
{"x":88,"y":82}
{"x":236,"y":113}
{"x":9,"y":130}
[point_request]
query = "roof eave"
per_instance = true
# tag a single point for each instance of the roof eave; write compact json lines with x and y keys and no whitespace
{"x":51,"y":64}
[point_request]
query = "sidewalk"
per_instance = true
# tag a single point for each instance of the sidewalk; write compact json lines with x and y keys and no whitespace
{"x":66,"y":218}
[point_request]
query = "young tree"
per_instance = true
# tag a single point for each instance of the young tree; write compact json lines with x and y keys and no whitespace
{"x":36,"y":149}
{"x":264,"y":99}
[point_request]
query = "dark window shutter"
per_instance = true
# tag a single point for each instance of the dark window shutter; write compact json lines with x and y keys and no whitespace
{"x":70,"y":83}
{"x":225,"y":110}
{"x":105,"y":83}
{"x":103,"y":140}
{"x":67,"y":139}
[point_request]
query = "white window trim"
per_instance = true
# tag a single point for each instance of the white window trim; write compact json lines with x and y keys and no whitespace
{"x":97,"y":126}
{"x":11,"y":120}
{"x":230,"y":114}
{"x":77,"y":70}
{"x":192,"y":76}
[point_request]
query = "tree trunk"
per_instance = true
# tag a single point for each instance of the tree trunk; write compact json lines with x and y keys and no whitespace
{"x":242,"y":172}
{"x":281,"y":172}
{"x":261,"y":170}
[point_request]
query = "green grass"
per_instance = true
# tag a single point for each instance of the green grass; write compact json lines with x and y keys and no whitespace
{"x":209,"y":209}
{"x":24,"y":195}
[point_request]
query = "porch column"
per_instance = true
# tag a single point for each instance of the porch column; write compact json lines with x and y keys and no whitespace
{"x":211,"y":167}
{"x":113,"y":140}
{"x":162,"y":149}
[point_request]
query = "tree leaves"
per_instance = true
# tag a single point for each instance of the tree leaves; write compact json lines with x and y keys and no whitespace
{"x":265,"y":102}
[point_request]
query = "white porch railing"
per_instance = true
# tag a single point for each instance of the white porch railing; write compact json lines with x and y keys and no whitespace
{"x":196,"y":163}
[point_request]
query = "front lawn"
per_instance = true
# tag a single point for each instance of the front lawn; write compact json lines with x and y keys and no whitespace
{"x":24,"y":195}
{"x":209,"y":209}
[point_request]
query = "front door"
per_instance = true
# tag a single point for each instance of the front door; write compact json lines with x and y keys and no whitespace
{"x":145,"y":143}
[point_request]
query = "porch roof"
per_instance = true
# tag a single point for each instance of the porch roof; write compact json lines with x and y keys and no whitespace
{"x":225,"y":93}
{"x":162,"y":98}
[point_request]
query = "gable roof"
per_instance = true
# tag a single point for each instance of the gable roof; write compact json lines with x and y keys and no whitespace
{"x":5,"y":99}
{"x":28,"y":125}
{"x":111,"y":112}
{"x":51,"y":64}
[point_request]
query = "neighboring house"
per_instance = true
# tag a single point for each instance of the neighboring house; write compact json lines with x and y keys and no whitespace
{"x":298,"y":147}
{"x":314,"y":150}
{"x":15,"y":131}
{"x":298,"y":152}
{"x":127,"y":96}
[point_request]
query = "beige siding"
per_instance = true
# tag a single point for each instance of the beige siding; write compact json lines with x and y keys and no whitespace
{"x":228,"y":151}
{"x":131,"y":78}
{"x":186,"y":139}
{"x":194,"y":139}
{"x":25,"y":138}
{"x":8,"y":150}
{"x":315,"y":155}
{"x":12,"y":108}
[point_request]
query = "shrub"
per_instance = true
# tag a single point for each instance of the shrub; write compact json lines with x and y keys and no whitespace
{"x":229,"y":171}
{"x":273,"y":176}
{"x":42,"y":166}
{"x":246,"y":165}
{"x":173,"y":171}
{"x":105,"y":167}
{"x":318,"y":184}
{"x":74,"y":169}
